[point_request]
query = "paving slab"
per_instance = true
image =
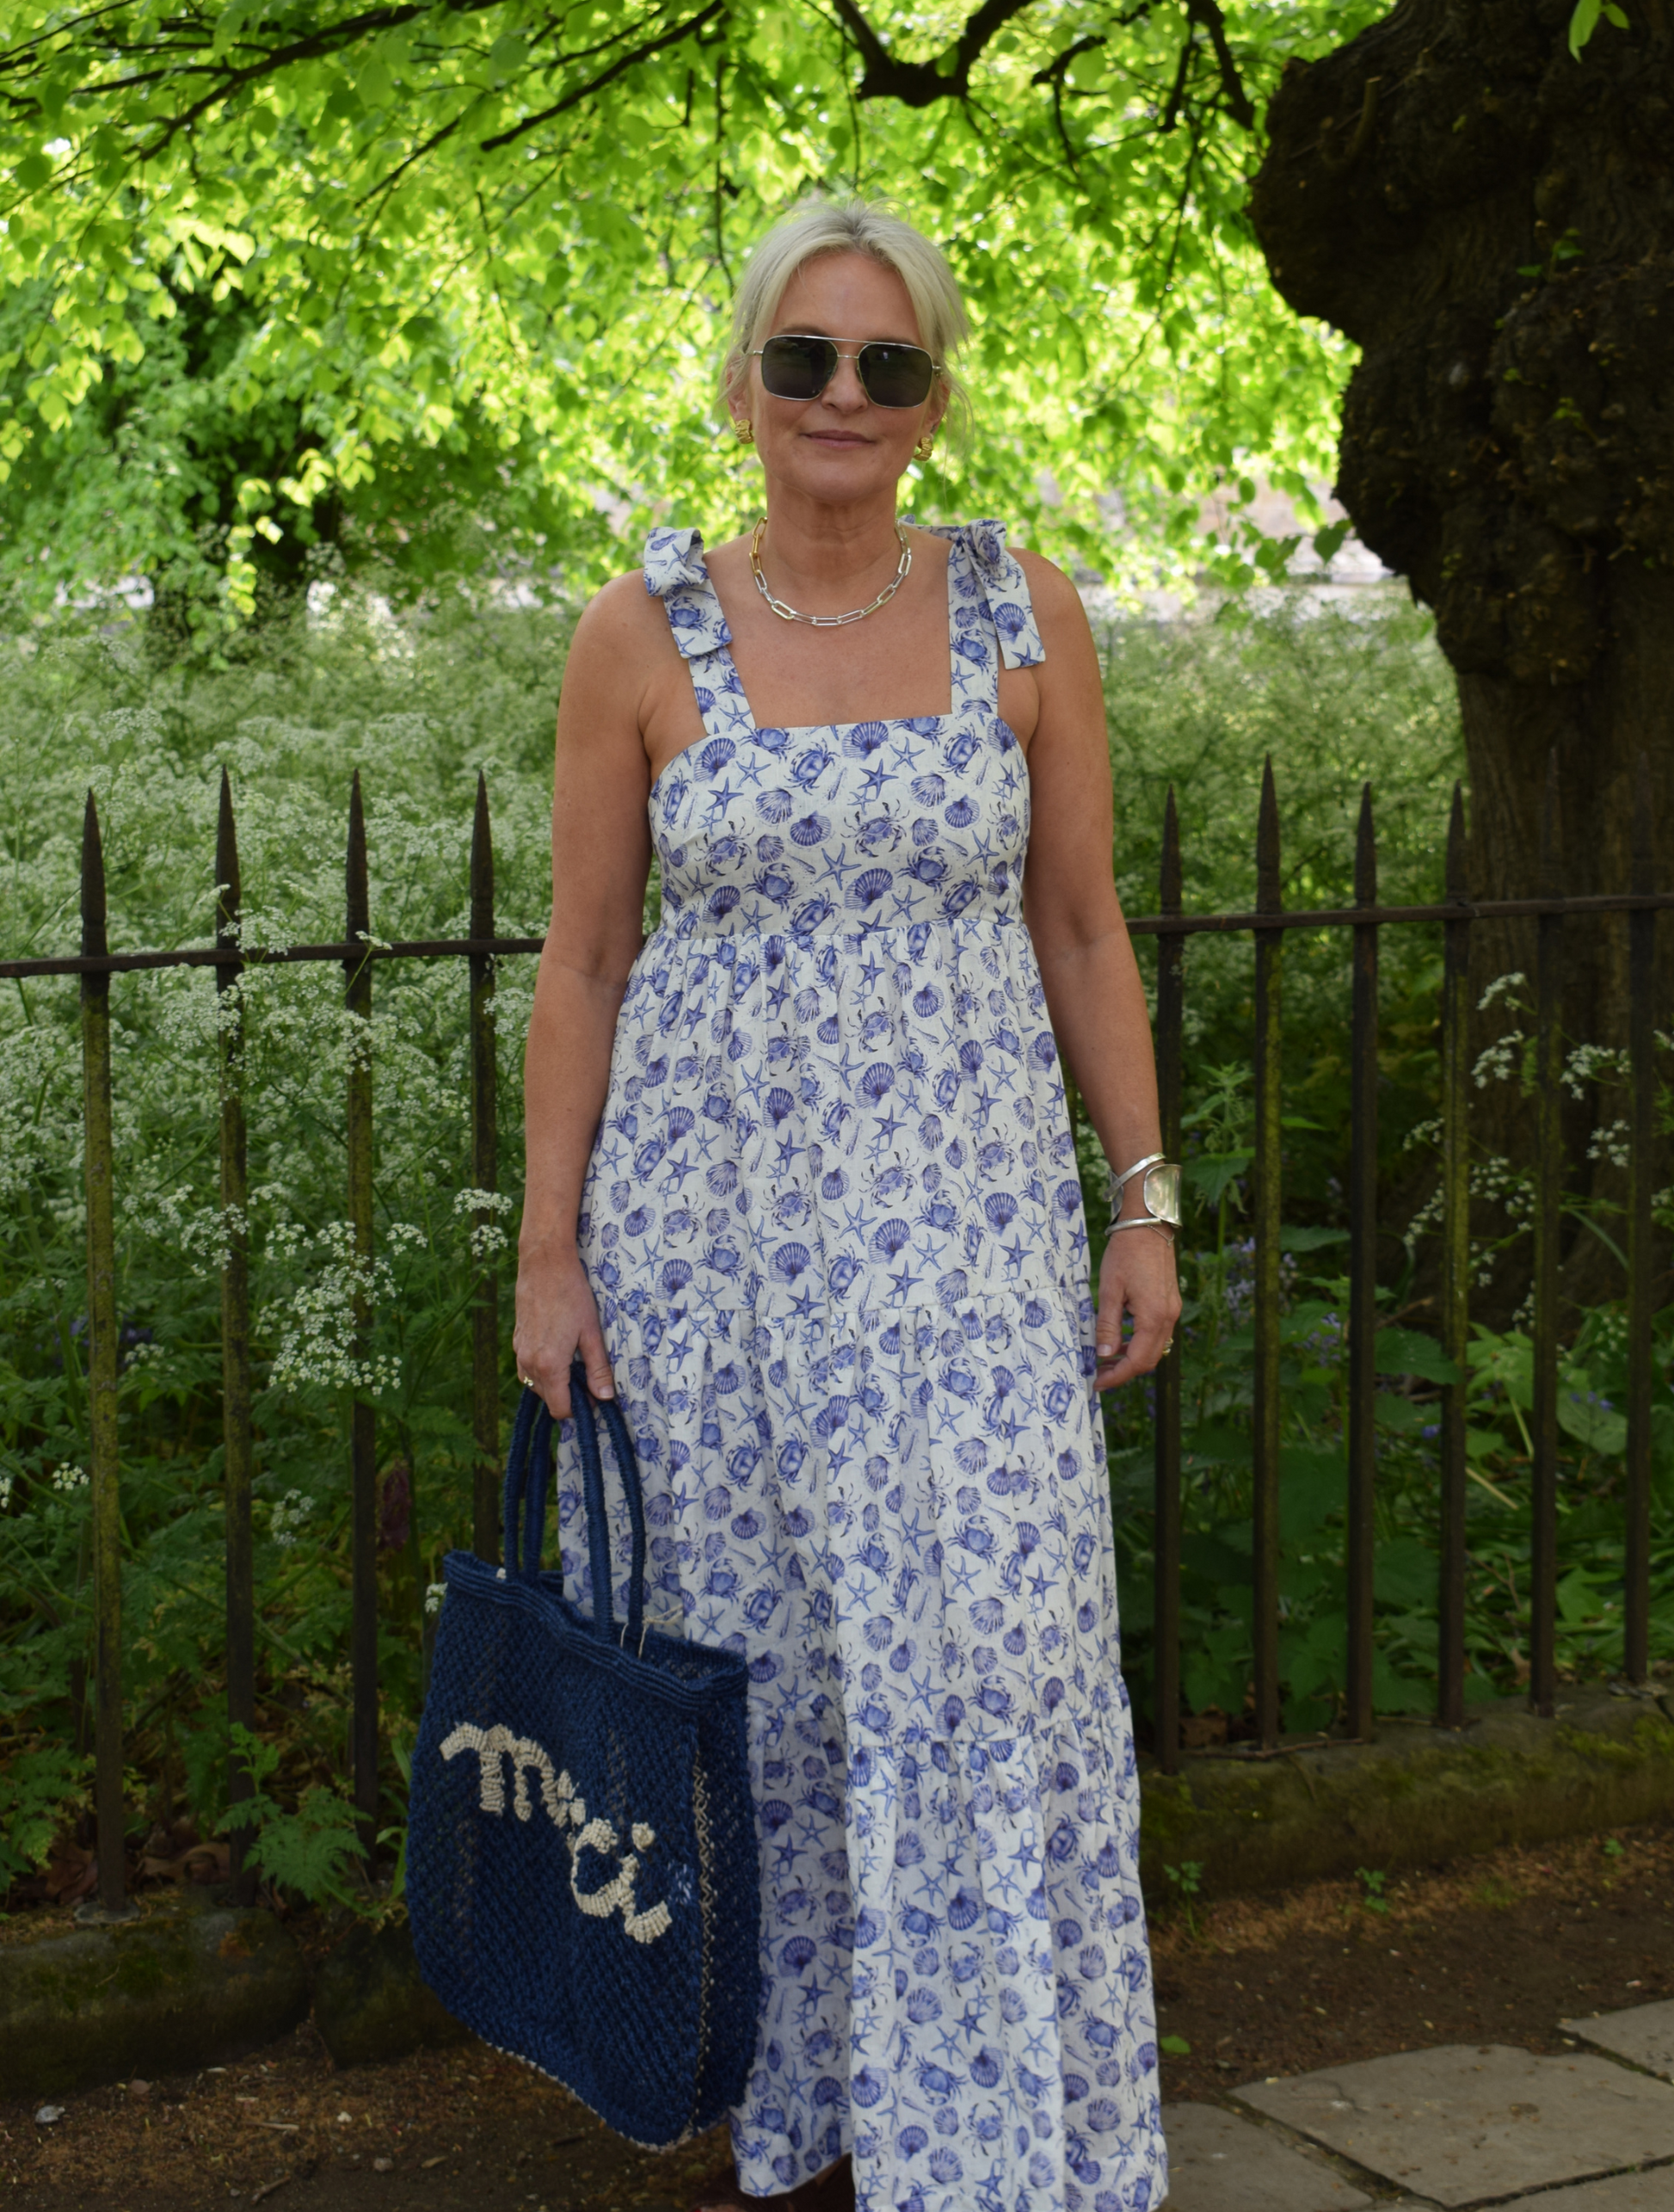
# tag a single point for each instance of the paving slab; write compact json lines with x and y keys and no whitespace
{"x":1622,"y":2192}
{"x":1471,"y":2124}
{"x":1218,"y":2162}
{"x":1644,"y":2034}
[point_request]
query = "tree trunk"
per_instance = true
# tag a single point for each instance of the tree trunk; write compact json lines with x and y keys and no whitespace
{"x":1493,"y":223}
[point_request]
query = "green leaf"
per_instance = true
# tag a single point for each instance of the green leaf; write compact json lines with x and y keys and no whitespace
{"x":1407,"y":1352}
{"x":1583,"y":23}
{"x":1405,"y":1573}
{"x":1399,"y":1415}
{"x":33,"y":171}
{"x":1313,"y":1485}
{"x":1329,"y":542}
{"x":1597,"y":1427}
{"x":1213,"y":1173}
{"x":1174,"y":2046}
{"x":1310,"y":1239}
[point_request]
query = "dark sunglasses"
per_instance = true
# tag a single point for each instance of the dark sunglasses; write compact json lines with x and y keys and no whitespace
{"x":891,"y":375}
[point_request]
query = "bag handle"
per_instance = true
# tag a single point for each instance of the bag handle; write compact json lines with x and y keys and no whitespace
{"x":531,"y":1448}
{"x":528,"y":1471}
{"x":583,"y":1407}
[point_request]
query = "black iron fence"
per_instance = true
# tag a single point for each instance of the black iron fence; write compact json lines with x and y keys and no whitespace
{"x":359,"y":954}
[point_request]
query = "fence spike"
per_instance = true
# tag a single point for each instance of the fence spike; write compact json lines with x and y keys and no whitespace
{"x":1548,"y":1199}
{"x":1265,"y":1180}
{"x":363,"y":1428}
{"x":1455,"y":1270}
{"x":1171,"y":998}
{"x":1362,"y":1286}
{"x":237,"y":1440}
{"x":484,"y":1169}
{"x":104,"y":1500}
{"x":1641,"y":1183}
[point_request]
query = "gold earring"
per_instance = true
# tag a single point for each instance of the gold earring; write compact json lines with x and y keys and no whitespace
{"x":744,"y":429}
{"x":921,"y":451}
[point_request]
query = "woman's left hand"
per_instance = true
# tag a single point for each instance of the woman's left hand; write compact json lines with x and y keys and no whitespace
{"x":1136,"y":1277}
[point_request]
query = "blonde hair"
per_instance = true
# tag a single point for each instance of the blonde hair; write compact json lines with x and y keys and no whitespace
{"x":815,"y":228}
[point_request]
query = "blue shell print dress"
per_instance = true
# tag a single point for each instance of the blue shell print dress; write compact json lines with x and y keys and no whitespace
{"x":833,"y":1222}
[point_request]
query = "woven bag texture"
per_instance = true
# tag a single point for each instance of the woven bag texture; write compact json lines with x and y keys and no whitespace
{"x":582,"y":1858}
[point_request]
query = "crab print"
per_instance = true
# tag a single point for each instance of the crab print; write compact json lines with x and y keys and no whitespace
{"x":833,"y":1223}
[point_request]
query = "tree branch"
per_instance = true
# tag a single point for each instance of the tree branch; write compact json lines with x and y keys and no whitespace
{"x":623,"y":62}
{"x":918,"y":84}
{"x":1238,"y":105}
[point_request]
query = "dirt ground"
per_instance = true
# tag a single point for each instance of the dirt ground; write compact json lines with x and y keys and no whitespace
{"x":1493,"y":1950}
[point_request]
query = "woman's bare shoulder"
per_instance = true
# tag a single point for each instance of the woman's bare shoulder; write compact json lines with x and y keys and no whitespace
{"x":1055,"y":596}
{"x":619,"y":613}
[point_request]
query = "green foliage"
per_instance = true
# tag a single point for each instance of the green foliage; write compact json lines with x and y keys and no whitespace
{"x":313,"y":1847}
{"x":419,"y":701}
{"x":1586,"y":19}
{"x":1372,"y":1886}
{"x":41,"y":1784}
{"x":288,"y":274}
{"x":418,"y":707}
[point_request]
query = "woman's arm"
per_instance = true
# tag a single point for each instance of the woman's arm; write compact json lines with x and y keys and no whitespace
{"x":601,"y":856}
{"x":1093,"y":992}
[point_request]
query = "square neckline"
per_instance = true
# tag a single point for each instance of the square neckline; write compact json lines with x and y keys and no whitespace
{"x":927,"y":722}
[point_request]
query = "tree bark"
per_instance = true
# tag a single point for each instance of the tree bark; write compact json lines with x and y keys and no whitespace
{"x":1493,"y":223}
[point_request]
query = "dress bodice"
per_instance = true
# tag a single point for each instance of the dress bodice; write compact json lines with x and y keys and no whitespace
{"x":843,"y":829}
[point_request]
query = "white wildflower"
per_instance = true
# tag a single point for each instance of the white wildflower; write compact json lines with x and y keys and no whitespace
{"x":290,"y":1513}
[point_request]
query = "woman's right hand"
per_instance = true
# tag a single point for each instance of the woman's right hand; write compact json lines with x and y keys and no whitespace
{"x":557,"y":1320}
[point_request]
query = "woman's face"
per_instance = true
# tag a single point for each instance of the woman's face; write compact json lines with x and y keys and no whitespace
{"x":838,"y":446}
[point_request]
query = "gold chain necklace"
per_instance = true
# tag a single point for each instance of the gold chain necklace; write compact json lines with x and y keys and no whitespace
{"x":787,"y":613}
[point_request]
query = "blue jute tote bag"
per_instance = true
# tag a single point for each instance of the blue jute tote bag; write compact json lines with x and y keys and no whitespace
{"x":582,"y":1859}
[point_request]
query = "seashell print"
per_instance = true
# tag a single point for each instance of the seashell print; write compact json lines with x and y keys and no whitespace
{"x":789,"y":1261}
{"x":873,"y":1465}
{"x":868,"y":888}
{"x":864,"y":739}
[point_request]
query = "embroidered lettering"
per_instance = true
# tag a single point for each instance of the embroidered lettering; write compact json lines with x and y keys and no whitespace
{"x":568,"y":1812}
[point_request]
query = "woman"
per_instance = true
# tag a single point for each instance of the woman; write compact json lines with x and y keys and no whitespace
{"x":802,"y":1189}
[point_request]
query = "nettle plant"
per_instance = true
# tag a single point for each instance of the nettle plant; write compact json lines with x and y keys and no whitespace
{"x":1217,"y":1338}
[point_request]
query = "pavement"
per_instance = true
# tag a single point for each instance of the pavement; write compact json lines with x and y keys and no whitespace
{"x":1440,"y":2130}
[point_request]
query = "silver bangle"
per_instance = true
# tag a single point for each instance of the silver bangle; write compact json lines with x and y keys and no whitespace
{"x":1159,"y":1193}
{"x":1163,"y":1229}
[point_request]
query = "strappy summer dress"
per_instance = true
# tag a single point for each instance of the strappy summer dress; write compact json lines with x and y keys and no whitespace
{"x":834,"y":1225}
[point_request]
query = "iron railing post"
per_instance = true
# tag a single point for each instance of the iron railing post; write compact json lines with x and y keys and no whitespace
{"x":1363,"y":1288}
{"x":237,"y":1446}
{"x":1641,"y":1183}
{"x":363,"y":1430}
{"x":484,"y":1172}
{"x":104,"y":1504}
{"x":1171,"y":999}
{"x":1265,"y":1563}
{"x":1456,"y":1274}
{"x":1549,"y":1195}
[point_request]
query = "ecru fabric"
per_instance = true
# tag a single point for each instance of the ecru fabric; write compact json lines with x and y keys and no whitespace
{"x":834,"y":1226}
